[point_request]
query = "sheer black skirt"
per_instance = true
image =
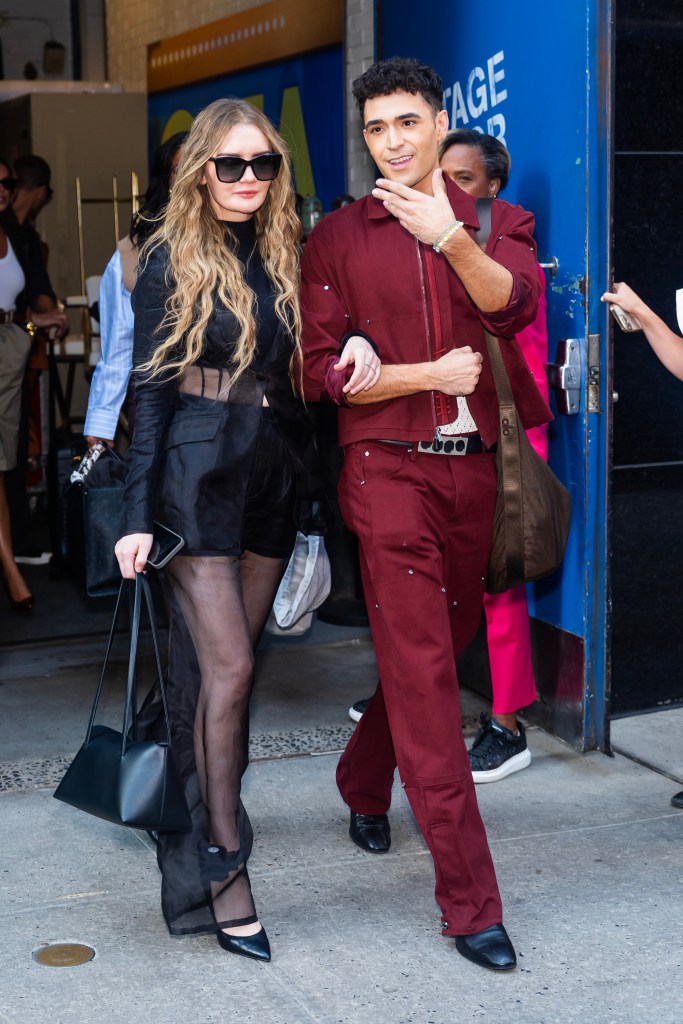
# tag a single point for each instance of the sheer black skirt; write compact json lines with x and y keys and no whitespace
{"x":218,"y":606}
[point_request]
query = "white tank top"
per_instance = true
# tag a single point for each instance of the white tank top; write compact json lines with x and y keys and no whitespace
{"x":12,"y":279}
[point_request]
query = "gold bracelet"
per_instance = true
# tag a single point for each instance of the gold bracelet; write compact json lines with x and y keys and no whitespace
{"x":447,"y":233}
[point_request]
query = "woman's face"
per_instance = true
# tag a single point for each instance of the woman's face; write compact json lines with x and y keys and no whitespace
{"x":465,"y":166}
{"x":239,"y":200}
{"x":5,"y":193}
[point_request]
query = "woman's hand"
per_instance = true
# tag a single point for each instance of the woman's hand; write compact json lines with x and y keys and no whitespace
{"x":367,"y":365}
{"x":622,"y":295}
{"x":132,"y":552}
{"x":53,"y":318}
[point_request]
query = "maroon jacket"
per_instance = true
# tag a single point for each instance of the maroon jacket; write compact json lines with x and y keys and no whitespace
{"x":362,"y":271}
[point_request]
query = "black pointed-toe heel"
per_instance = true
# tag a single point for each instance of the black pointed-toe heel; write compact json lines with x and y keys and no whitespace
{"x":255,"y":946}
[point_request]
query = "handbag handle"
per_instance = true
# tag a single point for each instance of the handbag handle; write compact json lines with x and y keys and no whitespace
{"x":135,"y":590}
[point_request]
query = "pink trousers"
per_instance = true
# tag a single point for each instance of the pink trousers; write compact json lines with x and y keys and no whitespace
{"x":507,"y":632}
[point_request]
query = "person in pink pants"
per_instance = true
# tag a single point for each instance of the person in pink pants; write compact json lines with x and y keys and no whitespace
{"x":480,"y":165}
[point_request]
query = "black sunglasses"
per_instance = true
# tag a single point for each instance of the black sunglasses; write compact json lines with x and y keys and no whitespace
{"x":8,"y":183}
{"x":230,"y":169}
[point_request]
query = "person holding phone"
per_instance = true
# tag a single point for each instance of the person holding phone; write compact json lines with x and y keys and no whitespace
{"x":665,"y":343}
{"x":222,"y":455}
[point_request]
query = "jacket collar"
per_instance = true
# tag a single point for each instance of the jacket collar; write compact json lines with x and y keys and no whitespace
{"x":464,"y":206}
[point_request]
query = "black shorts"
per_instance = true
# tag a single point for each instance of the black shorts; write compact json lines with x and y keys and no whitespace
{"x":268,"y":526}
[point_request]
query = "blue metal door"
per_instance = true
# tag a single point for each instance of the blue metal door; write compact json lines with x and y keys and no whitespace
{"x":538,"y":76}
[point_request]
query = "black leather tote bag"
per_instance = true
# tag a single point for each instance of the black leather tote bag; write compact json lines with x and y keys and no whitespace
{"x":92,"y":504}
{"x":114,"y":775}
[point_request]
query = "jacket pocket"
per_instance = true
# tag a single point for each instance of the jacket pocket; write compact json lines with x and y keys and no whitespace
{"x":185,"y":430}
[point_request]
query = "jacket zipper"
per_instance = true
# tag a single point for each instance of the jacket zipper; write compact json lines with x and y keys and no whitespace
{"x":437,"y":431}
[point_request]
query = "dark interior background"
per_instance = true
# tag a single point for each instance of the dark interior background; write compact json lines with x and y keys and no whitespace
{"x":647,"y":477}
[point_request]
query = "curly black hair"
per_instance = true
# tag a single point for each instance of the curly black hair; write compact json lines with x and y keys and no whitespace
{"x":493,"y":153}
{"x":399,"y":74}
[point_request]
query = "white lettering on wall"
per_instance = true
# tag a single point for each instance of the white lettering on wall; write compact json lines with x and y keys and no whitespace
{"x":483,"y":91}
{"x":497,"y":94}
{"x":476,"y":109}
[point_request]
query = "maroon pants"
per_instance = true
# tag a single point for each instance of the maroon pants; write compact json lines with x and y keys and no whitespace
{"x":424,"y":525}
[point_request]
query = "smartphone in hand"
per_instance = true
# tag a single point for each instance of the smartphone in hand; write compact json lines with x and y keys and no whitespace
{"x":166,"y":544}
{"x":627,"y":321}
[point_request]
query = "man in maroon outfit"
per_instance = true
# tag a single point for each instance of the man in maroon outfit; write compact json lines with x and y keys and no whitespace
{"x":401,"y":268}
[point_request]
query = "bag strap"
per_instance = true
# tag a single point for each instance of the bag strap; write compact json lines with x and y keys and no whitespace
{"x":135,"y":590}
{"x":509,"y":461}
{"x":98,"y":691}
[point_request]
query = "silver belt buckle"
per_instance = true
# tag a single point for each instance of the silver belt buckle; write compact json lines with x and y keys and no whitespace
{"x":456,"y":446}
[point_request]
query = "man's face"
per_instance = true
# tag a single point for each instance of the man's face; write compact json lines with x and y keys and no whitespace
{"x":403,"y":135}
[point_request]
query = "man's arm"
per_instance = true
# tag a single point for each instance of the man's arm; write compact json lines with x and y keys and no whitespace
{"x":110,"y":379}
{"x":490,"y":283}
{"x":455,"y":373}
{"x":325,"y":322}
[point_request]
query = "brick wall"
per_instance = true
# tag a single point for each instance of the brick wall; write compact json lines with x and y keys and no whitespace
{"x":132,"y":24}
{"x":360,"y":54}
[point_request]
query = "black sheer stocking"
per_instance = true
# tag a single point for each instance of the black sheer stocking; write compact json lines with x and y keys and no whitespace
{"x":224,"y":602}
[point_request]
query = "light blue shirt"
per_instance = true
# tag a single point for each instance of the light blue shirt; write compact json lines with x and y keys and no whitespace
{"x":110,"y":379}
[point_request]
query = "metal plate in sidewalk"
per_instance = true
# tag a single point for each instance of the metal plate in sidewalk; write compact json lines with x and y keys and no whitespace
{"x":63,"y":954}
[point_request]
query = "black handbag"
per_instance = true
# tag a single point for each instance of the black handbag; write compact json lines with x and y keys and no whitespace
{"x":114,"y":775}
{"x":92,"y":505}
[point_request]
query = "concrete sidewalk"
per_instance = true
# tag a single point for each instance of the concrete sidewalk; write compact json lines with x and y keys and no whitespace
{"x":587,"y":848}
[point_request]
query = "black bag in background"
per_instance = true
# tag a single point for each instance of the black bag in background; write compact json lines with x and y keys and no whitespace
{"x":92,"y":503}
{"x":114,"y":776}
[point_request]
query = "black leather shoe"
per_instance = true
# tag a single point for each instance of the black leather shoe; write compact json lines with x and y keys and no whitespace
{"x":371,"y":832}
{"x":677,"y":799}
{"x":491,"y":948}
{"x":255,"y":946}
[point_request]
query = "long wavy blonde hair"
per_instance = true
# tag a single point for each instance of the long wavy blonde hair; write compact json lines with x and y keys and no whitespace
{"x":202,"y":267}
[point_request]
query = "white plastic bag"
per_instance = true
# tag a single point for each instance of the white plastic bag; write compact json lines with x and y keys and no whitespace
{"x":305,"y":585}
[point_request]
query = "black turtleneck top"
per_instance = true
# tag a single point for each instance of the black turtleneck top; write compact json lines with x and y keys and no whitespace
{"x":215,"y":351}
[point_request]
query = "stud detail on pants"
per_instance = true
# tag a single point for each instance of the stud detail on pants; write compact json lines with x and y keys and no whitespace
{"x":362,"y":482}
{"x":455,"y":604}
{"x":411,"y":572}
{"x":443,"y":590}
{"x":366,"y":454}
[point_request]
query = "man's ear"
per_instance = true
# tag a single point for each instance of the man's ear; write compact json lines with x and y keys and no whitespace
{"x":365,"y":136}
{"x":442,"y":121}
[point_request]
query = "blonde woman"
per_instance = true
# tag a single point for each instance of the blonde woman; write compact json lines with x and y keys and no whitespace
{"x":221,"y":455}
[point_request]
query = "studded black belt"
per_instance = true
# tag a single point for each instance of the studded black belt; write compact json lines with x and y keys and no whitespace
{"x":469,"y":444}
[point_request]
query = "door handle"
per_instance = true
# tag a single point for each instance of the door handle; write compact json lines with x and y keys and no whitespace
{"x":564,"y":376}
{"x":553,"y":265}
